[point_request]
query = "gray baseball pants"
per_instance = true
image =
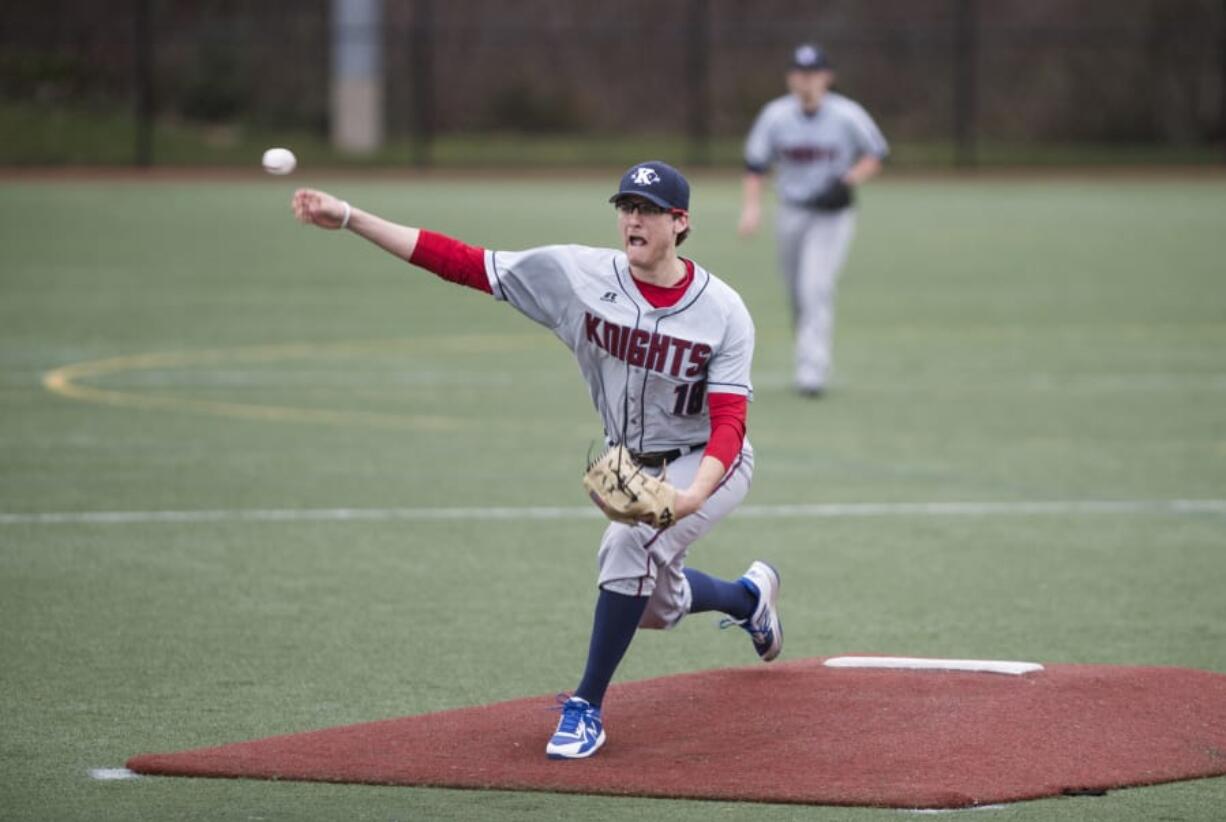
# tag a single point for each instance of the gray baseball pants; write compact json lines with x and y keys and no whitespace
{"x":638,"y":560}
{"x":813,"y":246}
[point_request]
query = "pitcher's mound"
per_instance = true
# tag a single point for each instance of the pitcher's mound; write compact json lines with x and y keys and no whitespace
{"x":790,"y":732}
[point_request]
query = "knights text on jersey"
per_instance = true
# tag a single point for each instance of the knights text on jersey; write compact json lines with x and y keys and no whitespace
{"x":811,"y":150}
{"x":648,"y":369}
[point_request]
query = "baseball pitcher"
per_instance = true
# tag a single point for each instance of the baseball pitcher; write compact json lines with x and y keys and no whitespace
{"x":823,"y":145}
{"x":665,"y":349}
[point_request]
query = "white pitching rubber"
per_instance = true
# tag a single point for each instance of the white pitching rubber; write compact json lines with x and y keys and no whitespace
{"x":987,"y":666}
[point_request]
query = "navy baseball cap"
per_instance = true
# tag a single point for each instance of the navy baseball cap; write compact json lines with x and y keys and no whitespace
{"x":655,"y":181}
{"x":810,"y":57}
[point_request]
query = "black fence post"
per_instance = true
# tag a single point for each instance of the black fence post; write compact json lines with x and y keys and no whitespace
{"x":142,"y":77}
{"x":420,"y":41}
{"x":697,"y":58}
{"x":966,"y":61}
{"x":1222,"y":86}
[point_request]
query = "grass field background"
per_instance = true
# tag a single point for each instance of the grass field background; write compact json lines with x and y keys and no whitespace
{"x":1000,"y":340}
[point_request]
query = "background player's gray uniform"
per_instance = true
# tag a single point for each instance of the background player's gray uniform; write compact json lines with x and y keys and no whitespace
{"x":810,"y":152}
{"x":648,"y":370}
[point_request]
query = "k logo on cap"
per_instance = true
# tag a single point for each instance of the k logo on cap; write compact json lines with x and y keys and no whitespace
{"x":645,"y":176}
{"x":810,"y":57}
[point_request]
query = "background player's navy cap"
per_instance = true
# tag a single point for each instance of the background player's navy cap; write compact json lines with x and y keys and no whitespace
{"x":810,"y":57}
{"x":655,"y":181}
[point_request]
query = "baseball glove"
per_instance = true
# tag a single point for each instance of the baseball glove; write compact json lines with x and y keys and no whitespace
{"x":835,"y":197}
{"x":621,"y":489}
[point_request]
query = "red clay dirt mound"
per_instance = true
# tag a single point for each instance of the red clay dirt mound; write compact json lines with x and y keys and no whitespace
{"x":790,"y":732}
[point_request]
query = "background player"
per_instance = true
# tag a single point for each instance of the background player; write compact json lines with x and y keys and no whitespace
{"x":824,"y":145}
{"x":665,"y":348}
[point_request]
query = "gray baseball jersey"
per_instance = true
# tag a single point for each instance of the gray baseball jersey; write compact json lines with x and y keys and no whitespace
{"x":811,"y":150}
{"x":648,"y":369}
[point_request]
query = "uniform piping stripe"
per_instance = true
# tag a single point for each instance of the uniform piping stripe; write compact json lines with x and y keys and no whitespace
{"x":647,"y":549}
{"x":494,"y":267}
{"x":638,"y":316}
{"x":697,"y":296}
{"x":740,"y":457}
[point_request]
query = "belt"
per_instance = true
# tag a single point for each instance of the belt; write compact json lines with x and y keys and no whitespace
{"x":655,"y":459}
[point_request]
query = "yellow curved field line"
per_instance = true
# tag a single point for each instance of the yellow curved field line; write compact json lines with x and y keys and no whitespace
{"x":64,"y":380}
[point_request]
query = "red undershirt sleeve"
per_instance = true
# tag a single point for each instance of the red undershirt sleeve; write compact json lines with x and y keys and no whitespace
{"x":451,"y":259}
{"x":728,"y":414}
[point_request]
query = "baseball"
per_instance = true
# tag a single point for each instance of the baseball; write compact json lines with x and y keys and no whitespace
{"x":279,"y":161}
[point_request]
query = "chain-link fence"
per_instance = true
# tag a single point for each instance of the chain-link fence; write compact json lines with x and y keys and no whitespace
{"x":946,"y":79}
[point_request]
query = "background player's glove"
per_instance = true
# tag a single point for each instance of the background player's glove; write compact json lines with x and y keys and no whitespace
{"x":621,"y":489}
{"x":835,"y":197}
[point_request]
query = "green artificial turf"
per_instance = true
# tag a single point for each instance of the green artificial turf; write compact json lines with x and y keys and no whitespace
{"x":1045,"y":339}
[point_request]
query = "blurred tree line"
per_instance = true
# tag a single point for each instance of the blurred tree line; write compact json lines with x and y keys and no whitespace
{"x":931,"y":71}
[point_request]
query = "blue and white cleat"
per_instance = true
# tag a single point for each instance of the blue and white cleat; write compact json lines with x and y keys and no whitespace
{"x":763,"y":624}
{"x":580,"y":731}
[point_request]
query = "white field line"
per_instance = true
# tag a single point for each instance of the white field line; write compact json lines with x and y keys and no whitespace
{"x":811,"y":511}
{"x":954,"y":810}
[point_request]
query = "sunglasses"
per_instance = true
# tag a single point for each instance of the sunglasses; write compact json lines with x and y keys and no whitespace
{"x":642,"y":207}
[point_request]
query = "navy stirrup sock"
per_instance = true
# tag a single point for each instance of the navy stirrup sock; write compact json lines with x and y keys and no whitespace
{"x":617,"y":618}
{"x":711,"y":594}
